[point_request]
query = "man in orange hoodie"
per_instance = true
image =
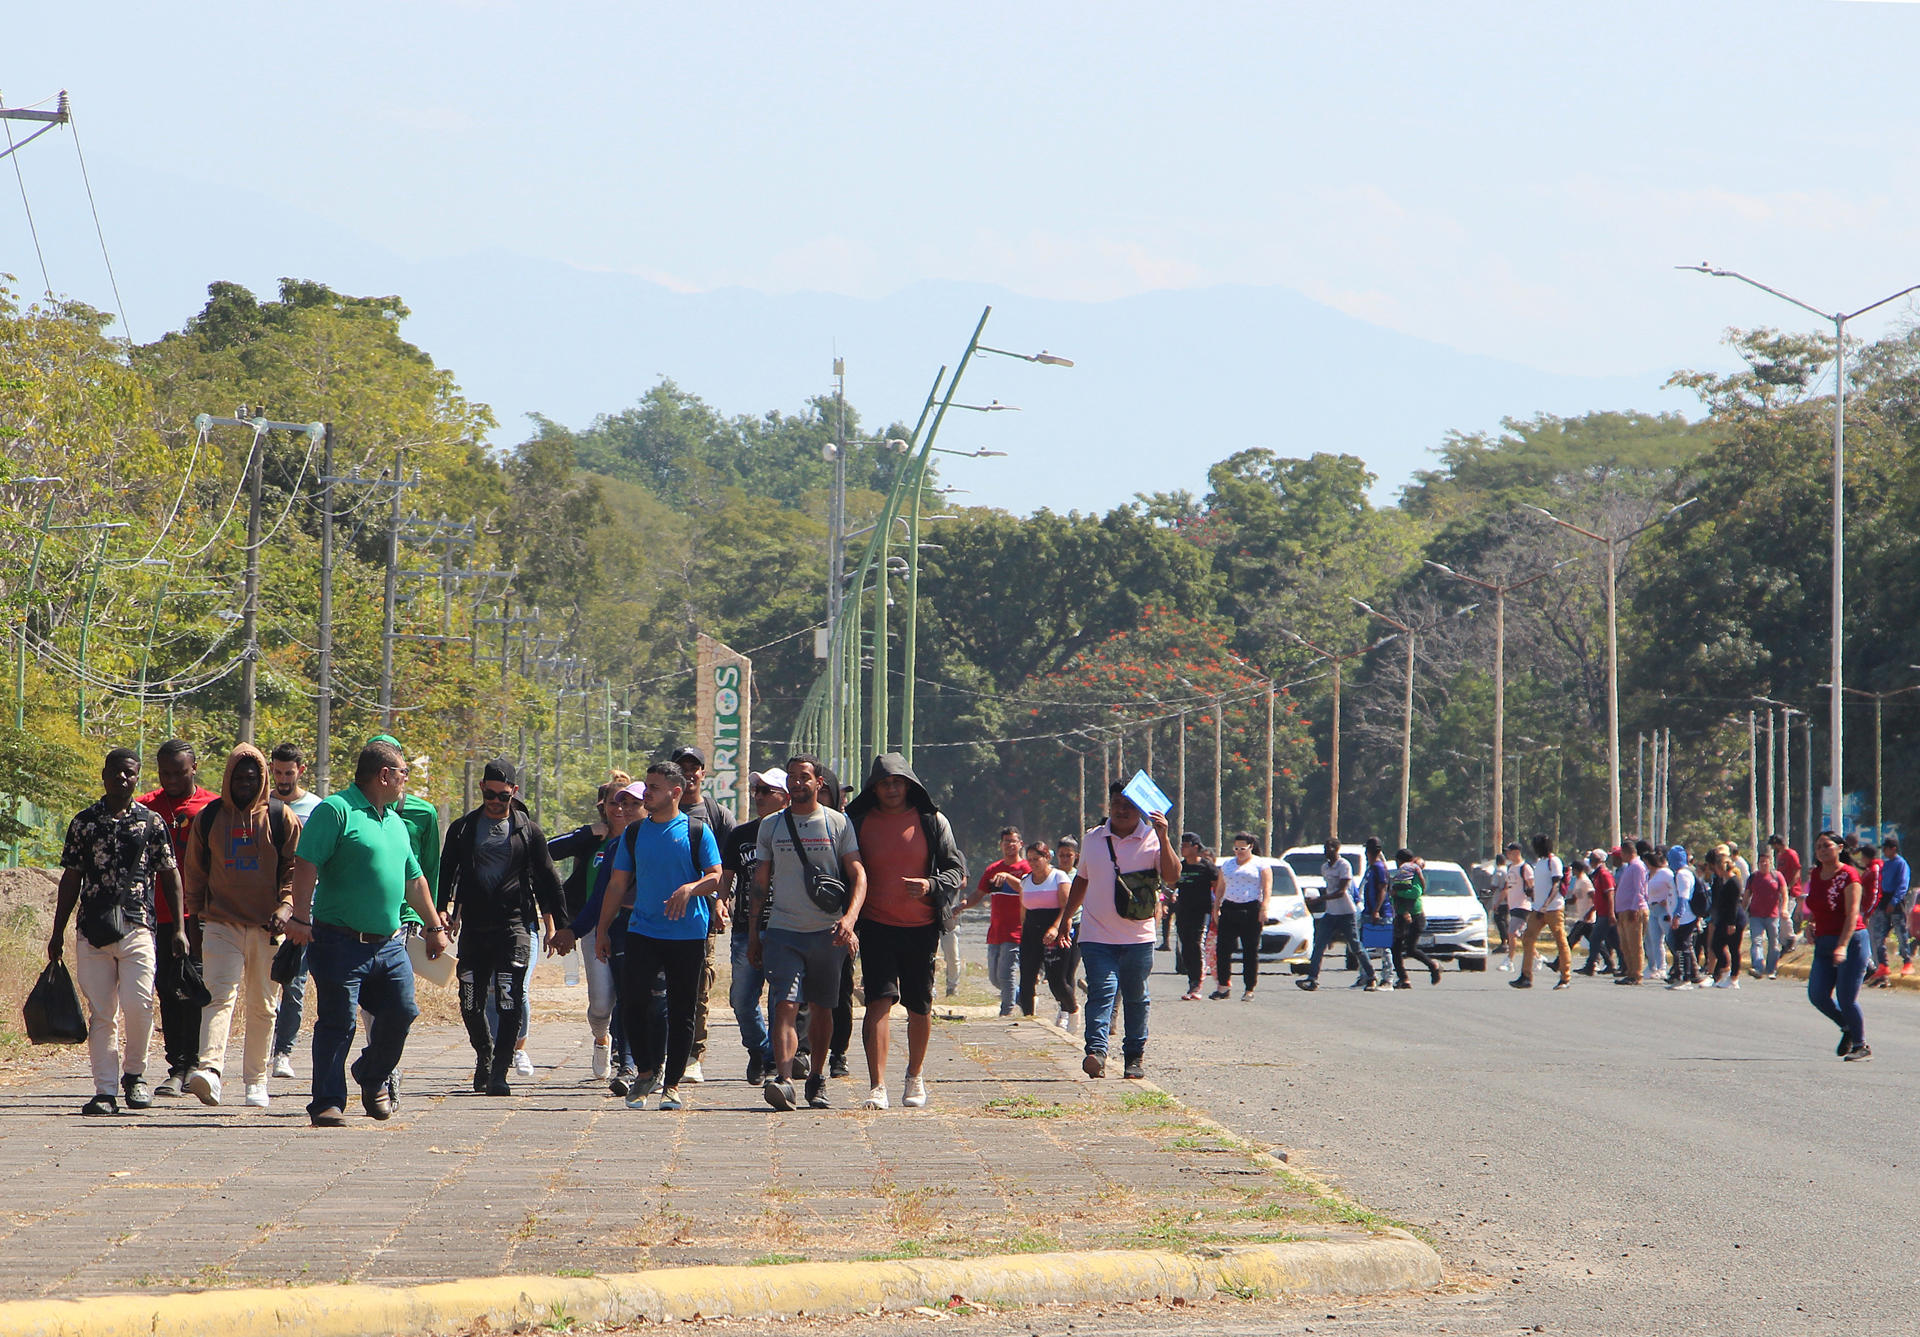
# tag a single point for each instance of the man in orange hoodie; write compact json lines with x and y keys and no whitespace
{"x":239,"y":872}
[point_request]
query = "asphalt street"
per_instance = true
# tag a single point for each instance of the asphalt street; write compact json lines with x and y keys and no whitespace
{"x":1600,"y":1160}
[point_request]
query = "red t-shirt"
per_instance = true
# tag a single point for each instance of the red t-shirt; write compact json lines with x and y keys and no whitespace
{"x":178,"y":814}
{"x":1765,"y":891}
{"x":1602,"y":894}
{"x":1004,"y":911}
{"x":893,"y":846}
{"x":1870,"y":887}
{"x":1825,"y":898}
{"x":1787,"y":864}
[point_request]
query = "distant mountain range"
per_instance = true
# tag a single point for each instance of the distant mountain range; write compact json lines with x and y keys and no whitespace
{"x":1164,"y":383}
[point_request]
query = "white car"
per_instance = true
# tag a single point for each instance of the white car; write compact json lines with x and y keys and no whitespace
{"x":1288,"y":935}
{"x":1456,"y":921}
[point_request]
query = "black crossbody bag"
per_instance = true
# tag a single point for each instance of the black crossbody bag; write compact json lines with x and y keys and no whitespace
{"x":824,"y":888}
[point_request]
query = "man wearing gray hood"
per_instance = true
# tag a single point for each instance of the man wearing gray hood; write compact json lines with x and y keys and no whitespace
{"x":915,"y":877}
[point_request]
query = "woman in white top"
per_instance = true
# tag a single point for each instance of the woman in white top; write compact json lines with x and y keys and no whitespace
{"x":1241,"y":891}
{"x":1043,"y":894}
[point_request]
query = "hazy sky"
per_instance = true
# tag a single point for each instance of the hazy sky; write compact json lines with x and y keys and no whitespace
{"x":1511,"y":179}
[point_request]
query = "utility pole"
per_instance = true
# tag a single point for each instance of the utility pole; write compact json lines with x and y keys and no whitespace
{"x":1640,"y":783}
{"x":1220,"y":771}
{"x":323,"y":714}
{"x":1753,"y":781}
{"x":1773,"y":793}
{"x":1806,"y":749}
{"x":836,"y":572}
{"x":250,"y":599}
{"x":392,"y":589}
{"x":1269,"y":832}
{"x":1180,"y":787}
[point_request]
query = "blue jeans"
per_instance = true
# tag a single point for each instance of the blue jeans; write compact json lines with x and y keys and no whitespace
{"x":347,"y":975}
{"x":1659,"y":919}
{"x":1329,"y":929}
{"x":1117,"y":971}
{"x":293,"y":1000}
{"x":749,"y":983}
{"x":1003,"y":972}
{"x":1765,"y":931}
{"x":1885,"y":920}
{"x":1835,"y":990}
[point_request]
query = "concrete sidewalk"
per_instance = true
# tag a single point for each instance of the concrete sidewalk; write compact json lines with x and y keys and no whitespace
{"x":1018,"y":1153}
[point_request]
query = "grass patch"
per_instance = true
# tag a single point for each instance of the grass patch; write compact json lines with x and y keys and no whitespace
{"x":1025,"y":1107}
{"x":558,"y":1319}
{"x":1146,"y":1100}
{"x":578,"y":1272}
{"x":1331,"y":1204}
{"x":1029,"y":1241}
{"x":902,"y":1249}
{"x":23,"y":955}
{"x":776,"y":1259}
{"x":1241,"y":1291}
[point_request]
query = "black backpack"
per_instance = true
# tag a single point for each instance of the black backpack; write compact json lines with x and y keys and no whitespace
{"x":695,"y":828}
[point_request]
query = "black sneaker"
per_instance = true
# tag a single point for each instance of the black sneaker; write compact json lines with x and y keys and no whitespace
{"x":1845,"y":1046}
{"x":778,"y":1094}
{"x":837,"y":1065}
{"x":802,"y":1065}
{"x":1859,"y":1054}
{"x":622,"y":1081}
{"x":1135,"y":1069}
{"x":1307,"y":986}
{"x":482,"y":1069}
{"x":1522,"y":983}
{"x":756,"y":1071}
{"x":1094,"y":1065}
{"x":138,"y":1096}
{"x":103,"y":1103}
{"x":496,"y":1086}
{"x":175,"y":1083}
{"x":817,"y":1092}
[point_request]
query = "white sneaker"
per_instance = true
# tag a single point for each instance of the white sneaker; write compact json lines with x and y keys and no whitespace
{"x":1507,"y":966}
{"x":916,"y":1094}
{"x":693,"y":1076}
{"x":283,"y":1065}
{"x":602,"y":1061}
{"x":1733,"y":984}
{"x":205,"y":1083}
{"x":1063,"y":1019}
{"x":257,"y":1095}
{"x":876,"y":1099}
{"x":522,"y":1064}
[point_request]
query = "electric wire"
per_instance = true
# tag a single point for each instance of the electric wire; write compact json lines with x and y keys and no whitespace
{"x":32,"y":228}
{"x":232,"y":502}
{"x":125,"y":324}
{"x":312,"y":444}
{"x":199,"y":440}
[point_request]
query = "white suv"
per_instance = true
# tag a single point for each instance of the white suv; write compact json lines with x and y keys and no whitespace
{"x":1288,"y":934}
{"x":1456,"y":921}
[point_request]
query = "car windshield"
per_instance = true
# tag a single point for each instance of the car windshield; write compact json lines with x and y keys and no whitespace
{"x":1283,"y":883}
{"x":1309,"y":864}
{"x":1448,"y":882}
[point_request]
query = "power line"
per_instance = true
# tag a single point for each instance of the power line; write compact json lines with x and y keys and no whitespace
{"x":125,"y":324}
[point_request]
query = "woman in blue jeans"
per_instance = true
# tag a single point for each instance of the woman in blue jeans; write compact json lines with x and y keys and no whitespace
{"x":1116,"y":950}
{"x":1840,"y":953}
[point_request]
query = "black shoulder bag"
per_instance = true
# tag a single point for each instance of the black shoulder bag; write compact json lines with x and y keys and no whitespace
{"x":824,"y":887}
{"x":1136,"y":895}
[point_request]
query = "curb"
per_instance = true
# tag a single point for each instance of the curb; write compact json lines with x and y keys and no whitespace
{"x":1796,"y":968}
{"x":1391,"y":1262}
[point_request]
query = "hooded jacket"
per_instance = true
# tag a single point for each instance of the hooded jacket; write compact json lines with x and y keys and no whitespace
{"x":235,"y":873}
{"x":947,"y":866}
{"x":530,"y":887}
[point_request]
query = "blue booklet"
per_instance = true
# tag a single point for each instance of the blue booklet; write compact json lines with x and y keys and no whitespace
{"x":1146,"y":795}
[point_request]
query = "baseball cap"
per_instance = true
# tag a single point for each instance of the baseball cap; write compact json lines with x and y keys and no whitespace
{"x":773,"y":778}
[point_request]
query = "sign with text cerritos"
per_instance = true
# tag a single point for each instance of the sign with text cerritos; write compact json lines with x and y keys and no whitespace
{"x":723,"y":727}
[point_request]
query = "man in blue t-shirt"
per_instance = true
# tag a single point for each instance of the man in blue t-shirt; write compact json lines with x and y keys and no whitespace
{"x":668,"y":870}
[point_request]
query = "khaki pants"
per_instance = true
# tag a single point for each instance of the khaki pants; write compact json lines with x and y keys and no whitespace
{"x":238,"y":961}
{"x":1530,"y":940}
{"x":708,"y":975}
{"x":1632,"y":928}
{"x":117,"y":980}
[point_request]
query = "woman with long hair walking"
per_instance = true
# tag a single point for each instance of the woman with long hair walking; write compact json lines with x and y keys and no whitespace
{"x":1839,"y":964}
{"x":1241,"y":890}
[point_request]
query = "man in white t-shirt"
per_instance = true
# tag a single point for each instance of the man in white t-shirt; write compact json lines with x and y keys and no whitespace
{"x":1659,"y":915}
{"x":1338,"y":921}
{"x":287,"y":767}
{"x":1546,"y":911}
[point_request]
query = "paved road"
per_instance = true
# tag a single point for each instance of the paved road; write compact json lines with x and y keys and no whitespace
{"x":1610,"y":1160}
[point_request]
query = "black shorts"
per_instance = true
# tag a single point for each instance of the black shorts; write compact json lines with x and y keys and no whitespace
{"x":898,"y":962}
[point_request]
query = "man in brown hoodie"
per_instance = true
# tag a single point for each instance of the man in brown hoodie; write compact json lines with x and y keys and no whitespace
{"x":239,"y":871}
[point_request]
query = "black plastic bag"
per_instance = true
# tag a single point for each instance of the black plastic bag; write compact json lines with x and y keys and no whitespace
{"x":181,"y":981}
{"x":288,"y":963}
{"x":52,"y":1013}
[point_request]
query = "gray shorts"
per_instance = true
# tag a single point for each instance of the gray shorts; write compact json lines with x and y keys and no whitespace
{"x":802,"y":967}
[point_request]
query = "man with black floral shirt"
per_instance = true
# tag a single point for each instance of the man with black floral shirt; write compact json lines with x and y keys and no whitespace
{"x":116,"y":850}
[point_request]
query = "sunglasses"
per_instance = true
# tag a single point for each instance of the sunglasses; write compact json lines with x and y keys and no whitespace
{"x":496,"y":795}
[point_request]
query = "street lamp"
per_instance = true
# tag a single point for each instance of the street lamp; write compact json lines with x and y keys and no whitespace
{"x":1839,"y":319}
{"x":1043,"y":356}
{"x":1499,"y":593}
{"x":1406,"y":721}
{"x":1613,"y":545}
{"x":1336,"y":660}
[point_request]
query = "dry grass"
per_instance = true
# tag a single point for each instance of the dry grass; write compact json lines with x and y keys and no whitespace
{"x":23,"y":954}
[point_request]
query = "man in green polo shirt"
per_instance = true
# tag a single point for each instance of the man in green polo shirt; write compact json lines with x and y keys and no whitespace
{"x":355,"y":870}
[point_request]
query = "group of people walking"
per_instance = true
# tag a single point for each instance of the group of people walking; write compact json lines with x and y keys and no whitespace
{"x":190,"y":905}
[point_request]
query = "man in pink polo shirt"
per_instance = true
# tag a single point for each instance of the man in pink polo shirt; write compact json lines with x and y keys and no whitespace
{"x":1116,"y":951}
